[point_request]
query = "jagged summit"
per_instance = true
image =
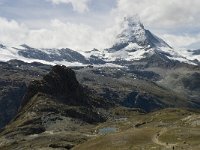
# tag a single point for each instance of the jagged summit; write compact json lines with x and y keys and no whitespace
{"x":132,"y":31}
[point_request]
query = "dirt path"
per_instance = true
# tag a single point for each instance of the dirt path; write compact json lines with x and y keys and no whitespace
{"x":156,"y":140}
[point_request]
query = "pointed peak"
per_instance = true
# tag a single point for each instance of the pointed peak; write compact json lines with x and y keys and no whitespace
{"x":132,"y":31}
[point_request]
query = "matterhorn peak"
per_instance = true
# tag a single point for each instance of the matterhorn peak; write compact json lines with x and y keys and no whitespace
{"x":133,"y":32}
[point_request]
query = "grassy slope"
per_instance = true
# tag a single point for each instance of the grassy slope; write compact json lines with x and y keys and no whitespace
{"x":171,"y":127}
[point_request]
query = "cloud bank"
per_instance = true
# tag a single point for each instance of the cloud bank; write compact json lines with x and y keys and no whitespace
{"x":162,"y":13}
{"x":183,"y":41}
{"x":57,"y":35}
{"x":78,"y":5}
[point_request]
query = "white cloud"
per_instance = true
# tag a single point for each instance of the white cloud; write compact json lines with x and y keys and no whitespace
{"x":11,"y":32}
{"x":58,"y":34}
{"x":181,"y":41}
{"x":78,"y":5}
{"x":162,"y":13}
{"x":75,"y":36}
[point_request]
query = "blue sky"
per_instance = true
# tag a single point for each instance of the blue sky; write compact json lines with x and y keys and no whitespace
{"x":28,"y":11}
{"x":85,"y":24}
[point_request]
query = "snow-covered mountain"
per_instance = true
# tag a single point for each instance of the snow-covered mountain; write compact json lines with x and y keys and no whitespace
{"x":136,"y":43}
{"x":53,"y":56}
{"x":134,"y":35}
{"x":133,"y":43}
{"x":47,"y":56}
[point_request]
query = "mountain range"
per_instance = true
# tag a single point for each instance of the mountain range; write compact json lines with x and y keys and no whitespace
{"x":133,"y":44}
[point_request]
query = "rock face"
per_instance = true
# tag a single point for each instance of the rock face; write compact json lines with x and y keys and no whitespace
{"x":143,"y":101}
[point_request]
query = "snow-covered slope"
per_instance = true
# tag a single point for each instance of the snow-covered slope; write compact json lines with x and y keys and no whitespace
{"x":47,"y":56}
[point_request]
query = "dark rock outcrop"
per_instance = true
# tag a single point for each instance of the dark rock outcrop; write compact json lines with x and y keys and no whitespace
{"x":61,"y":83}
{"x":60,"y":92}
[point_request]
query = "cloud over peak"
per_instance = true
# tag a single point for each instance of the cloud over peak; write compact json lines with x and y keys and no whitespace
{"x":162,"y":13}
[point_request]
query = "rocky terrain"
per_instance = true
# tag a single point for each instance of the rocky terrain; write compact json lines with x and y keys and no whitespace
{"x":48,"y":106}
{"x":14,"y":79}
{"x":45,"y":107}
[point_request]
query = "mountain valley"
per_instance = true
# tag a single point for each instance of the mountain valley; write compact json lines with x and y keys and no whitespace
{"x":138,"y":94}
